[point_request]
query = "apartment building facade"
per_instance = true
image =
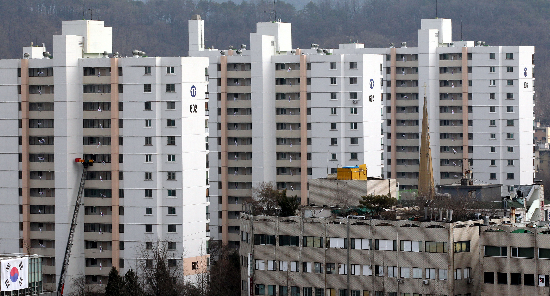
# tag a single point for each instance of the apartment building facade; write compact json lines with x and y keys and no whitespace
{"x":140,"y":119}
{"x":322,"y":255}
{"x":285,"y":116}
{"x":480,"y":108}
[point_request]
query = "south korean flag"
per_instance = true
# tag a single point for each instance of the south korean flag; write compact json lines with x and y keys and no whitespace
{"x":14,"y":274}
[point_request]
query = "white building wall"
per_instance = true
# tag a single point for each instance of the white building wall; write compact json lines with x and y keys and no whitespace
{"x":9,"y":191}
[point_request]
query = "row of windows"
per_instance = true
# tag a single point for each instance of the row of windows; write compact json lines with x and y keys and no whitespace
{"x":169,"y":106}
{"x":358,"y":243}
{"x":149,"y":192}
{"x":360,"y":270}
{"x":260,"y":289}
{"x":516,"y":252}
{"x":514,"y":279}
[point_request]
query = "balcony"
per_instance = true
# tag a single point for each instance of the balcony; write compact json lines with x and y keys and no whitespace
{"x":287,"y":74}
{"x":238,"y":74}
{"x":94,"y":79}
{"x":238,"y":89}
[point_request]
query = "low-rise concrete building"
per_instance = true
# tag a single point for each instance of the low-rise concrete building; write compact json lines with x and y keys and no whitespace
{"x":321,"y":254}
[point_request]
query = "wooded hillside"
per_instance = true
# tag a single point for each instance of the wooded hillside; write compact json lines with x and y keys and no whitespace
{"x":159,"y":27}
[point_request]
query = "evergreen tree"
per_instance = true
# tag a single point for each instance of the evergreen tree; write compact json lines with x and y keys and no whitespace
{"x":115,"y":284}
{"x":131,"y":284}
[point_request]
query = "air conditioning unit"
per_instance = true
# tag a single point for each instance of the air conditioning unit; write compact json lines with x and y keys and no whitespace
{"x":354,"y":101}
{"x":426,"y":282}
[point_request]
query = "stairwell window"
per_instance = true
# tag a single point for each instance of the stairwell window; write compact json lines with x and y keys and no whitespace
{"x":147,"y":70}
{"x":147,"y":88}
{"x":170,"y":70}
{"x":333,"y":80}
{"x":353,"y":80}
{"x":148,"y":228}
{"x":510,"y":56}
{"x":148,"y":158}
{"x":170,"y":88}
{"x":171,"y":227}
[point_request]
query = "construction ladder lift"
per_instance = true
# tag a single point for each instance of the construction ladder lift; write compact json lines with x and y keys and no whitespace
{"x":85,"y":165}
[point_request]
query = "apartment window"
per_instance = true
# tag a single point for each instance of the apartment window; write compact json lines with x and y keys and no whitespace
{"x":148,"y":245}
{"x":509,"y":82}
{"x":353,"y":80}
{"x":353,"y":96}
{"x":333,"y":65}
{"x":436,"y":247}
{"x":489,"y":277}
{"x":171,"y":176}
{"x":148,"y":106}
{"x":171,"y":227}
{"x":510,"y":162}
{"x":510,"y":149}
{"x":492,"y":109}
{"x":171,"y":210}
{"x":509,"y":96}
{"x":353,"y":110}
{"x":492,"y":251}
{"x":171,"y":157}
{"x":493,"y":162}
{"x":510,"y":176}
{"x":410,"y":246}
{"x":170,"y":70}
{"x":147,"y":122}
{"x":430,"y":273}
{"x":492,"y":55}
{"x":147,"y":70}
{"x":259,"y":289}
{"x":510,"y":122}
{"x":492,"y":69}
{"x":510,"y":136}
{"x":170,"y":105}
{"x":502,"y":278}
{"x":463,"y":246}
{"x":148,"y":158}
{"x":148,"y":141}
{"x":353,"y":156}
{"x":492,"y":82}
{"x":333,"y":141}
{"x":492,"y":122}
{"x":509,"y":69}
{"x":171,"y":140}
{"x":170,"y":87}
{"x":528,"y":253}
{"x":354,"y":141}
{"x":417,"y":273}
{"x":443,"y":274}
{"x":493,"y":136}
{"x":148,"y":211}
{"x":333,"y":111}
{"x":353,"y":65}
{"x":492,"y":96}
{"x":333,"y":125}
{"x":171,"y":192}
{"x":148,"y":176}
{"x":148,"y":228}
{"x":333,"y":156}
{"x":148,"y":193}
{"x":493,"y":149}
{"x":333,"y":96}
{"x":353,"y":125}
{"x":509,"y":109}
{"x":333,"y":80}
{"x":170,"y":122}
{"x":147,"y":88}
{"x":509,"y":56}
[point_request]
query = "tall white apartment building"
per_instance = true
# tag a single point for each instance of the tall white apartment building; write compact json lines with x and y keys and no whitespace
{"x":480,"y":108}
{"x":285,"y":115}
{"x":141,"y":119}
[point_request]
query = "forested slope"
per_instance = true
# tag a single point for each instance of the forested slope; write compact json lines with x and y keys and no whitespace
{"x":159,"y":27}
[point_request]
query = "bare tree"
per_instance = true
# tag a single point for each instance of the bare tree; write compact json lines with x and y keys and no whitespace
{"x":160,"y":271}
{"x":225,"y":271}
